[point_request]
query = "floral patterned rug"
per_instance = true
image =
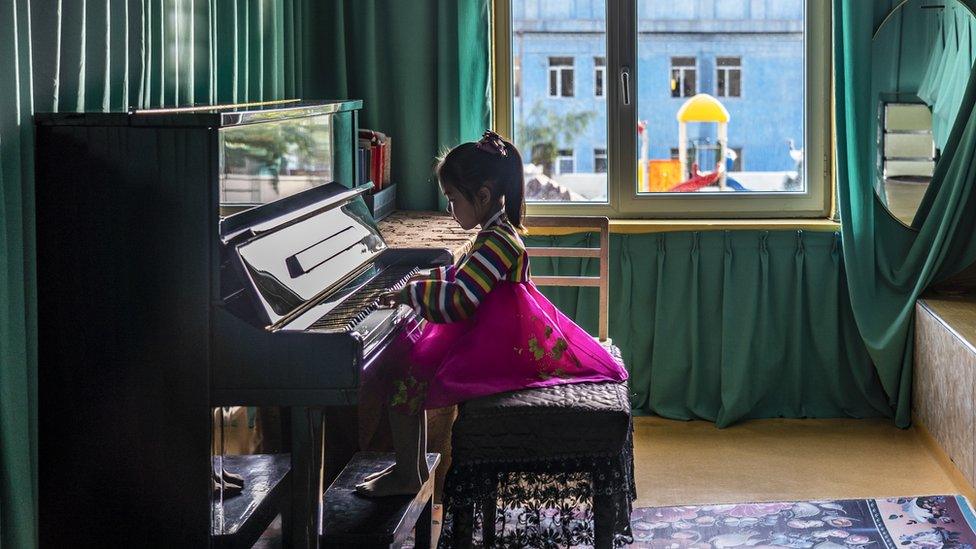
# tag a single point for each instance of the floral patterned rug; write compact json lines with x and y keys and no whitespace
{"x":926,"y":522}
{"x":929,"y":522}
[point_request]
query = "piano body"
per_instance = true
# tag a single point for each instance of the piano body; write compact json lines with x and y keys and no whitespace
{"x":190,"y":259}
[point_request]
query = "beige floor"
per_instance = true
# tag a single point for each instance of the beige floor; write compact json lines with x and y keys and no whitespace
{"x":786,"y":459}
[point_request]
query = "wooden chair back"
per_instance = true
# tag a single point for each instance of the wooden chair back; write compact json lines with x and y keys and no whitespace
{"x":602,"y":224}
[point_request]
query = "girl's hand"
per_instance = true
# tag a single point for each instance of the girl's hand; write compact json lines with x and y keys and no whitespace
{"x":388,"y":300}
{"x":422,"y":274}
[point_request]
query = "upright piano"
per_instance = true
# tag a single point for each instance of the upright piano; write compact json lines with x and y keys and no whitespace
{"x":190,"y":259}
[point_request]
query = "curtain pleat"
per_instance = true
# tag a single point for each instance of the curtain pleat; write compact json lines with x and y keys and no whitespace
{"x":68,"y":55}
{"x":725,"y":326}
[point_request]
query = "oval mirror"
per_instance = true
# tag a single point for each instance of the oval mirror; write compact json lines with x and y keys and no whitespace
{"x":922,"y":54}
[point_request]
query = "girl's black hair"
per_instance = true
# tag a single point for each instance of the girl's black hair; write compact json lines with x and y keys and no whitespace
{"x":468,"y":167}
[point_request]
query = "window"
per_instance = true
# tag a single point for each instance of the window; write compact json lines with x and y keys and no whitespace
{"x":565,"y":161}
{"x":736,"y":157}
{"x":600,"y":160}
{"x":683,"y":71}
{"x":561,"y":77}
{"x":599,"y":75}
{"x":728,"y":77}
{"x":686,"y":156}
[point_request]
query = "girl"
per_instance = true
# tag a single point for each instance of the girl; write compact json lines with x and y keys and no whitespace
{"x":490,"y":330}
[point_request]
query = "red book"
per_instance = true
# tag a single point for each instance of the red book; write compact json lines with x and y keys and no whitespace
{"x":379,"y":148}
{"x":376,"y":167}
{"x":387,"y":150}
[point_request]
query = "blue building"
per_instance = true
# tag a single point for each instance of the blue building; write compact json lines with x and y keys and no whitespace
{"x":746,"y":53}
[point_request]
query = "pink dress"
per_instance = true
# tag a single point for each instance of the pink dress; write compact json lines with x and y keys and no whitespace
{"x":490,"y":331}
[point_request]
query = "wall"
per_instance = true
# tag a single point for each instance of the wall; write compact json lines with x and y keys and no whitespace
{"x":944,"y":386}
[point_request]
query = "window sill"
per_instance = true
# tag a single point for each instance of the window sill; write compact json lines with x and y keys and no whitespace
{"x":641,"y":226}
{"x":407,"y":229}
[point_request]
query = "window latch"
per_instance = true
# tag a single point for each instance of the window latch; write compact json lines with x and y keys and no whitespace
{"x":625,"y":84}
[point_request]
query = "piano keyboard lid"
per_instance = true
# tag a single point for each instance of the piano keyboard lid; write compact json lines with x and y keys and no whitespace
{"x":305,"y":251}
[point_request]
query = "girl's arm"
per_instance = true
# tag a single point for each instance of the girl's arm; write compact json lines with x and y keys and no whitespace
{"x":457,"y":295}
{"x":446,"y":272}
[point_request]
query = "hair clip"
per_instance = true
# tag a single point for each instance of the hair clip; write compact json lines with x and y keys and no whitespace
{"x":492,"y":143}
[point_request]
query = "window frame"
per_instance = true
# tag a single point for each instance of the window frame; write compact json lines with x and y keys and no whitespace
{"x":557,"y":169}
{"x":624,"y":202}
{"x":739,"y":158}
{"x":727,"y":70}
{"x":682,"y":70}
{"x":600,"y":72}
{"x":600,"y":156}
{"x":559,"y":69}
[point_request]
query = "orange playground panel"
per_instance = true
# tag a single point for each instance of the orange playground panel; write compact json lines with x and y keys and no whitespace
{"x":662,"y":175}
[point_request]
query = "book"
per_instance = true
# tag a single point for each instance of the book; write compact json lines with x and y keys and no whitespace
{"x":387,"y":159}
{"x":378,"y":166}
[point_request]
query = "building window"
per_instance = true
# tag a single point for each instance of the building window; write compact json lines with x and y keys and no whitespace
{"x":599,"y":76}
{"x":600,"y":160}
{"x":728,"y":76}
{"x":517,"y":76}
{"x":684,"y":71}
{"x":561,"y":77}
{"x":736,"y":159}
{"x":565,"y":161}
{"x":733,"y":153}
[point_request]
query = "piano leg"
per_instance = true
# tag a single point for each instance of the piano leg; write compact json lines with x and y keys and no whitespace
{"x":341,"y":439}
{"x":287,"y":513}
{"x":323,"y":440}
{"x":306,"y":452}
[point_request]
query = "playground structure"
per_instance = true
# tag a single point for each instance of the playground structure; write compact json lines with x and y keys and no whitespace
{"x":702,"y":108}
{"x":673,"y":175}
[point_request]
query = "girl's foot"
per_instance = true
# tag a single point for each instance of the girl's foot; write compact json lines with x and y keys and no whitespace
{"x":424,"y":473}
{"x":397,"y":482}
{"x":228,"y":489}
{"x":378,"y":474}
{"x":232,"y":478}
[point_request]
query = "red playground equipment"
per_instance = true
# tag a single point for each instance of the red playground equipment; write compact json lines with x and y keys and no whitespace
{"x":699,"y":180}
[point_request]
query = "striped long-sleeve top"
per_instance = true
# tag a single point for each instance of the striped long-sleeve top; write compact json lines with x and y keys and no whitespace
{"x":454,"y":292}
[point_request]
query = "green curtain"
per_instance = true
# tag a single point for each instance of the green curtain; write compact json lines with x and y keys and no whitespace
{"x":889,"y":265}
{"x":947,"y":69}
{"x":72,"y":55}
{"x":730,"y":325}
{"x":900,"y":53}
{"x":18,"y":380}
{"x":422,"y":68}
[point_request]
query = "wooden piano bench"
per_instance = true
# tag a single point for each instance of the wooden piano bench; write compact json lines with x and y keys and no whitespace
{"x":350,"y":520}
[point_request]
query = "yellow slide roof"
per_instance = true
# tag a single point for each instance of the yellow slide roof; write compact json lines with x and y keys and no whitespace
{"x":703,"y":108}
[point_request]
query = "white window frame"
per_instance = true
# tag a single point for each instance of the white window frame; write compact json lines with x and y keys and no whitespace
{"x":598,"y":155}
{"x":571,"y":157}
{"x":600,"y":74}
{"x":623,"y":199}
{"x":682,"y":70}
{"x":558,"y":69}
{"x":728,"y":71}
{"x":740,"y":157}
